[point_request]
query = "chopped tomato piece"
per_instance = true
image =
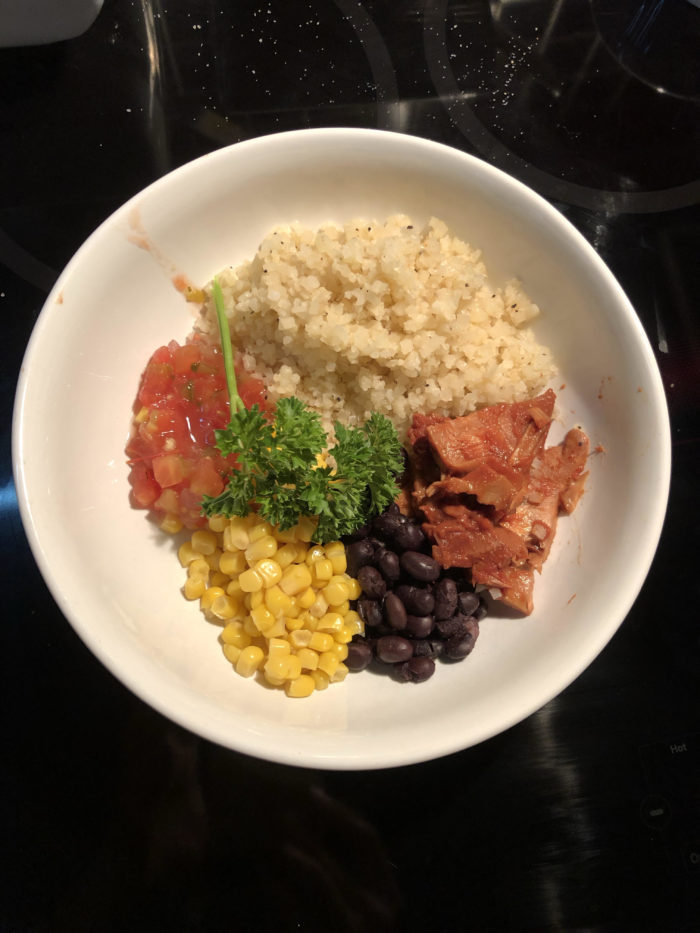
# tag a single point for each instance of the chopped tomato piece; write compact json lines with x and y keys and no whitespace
{"x":170,"y":469}
{"x":182,"y":401}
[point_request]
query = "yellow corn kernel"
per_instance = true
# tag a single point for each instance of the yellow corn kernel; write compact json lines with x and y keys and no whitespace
{"x":260,"y":548}
{"x":293,"y":667}
{"x":319,"y":607}
{"x":274,"y":681}
{"x":217,"y":523}
{"x":278,"y":647}
{"x":300,"y":639}
{"x":249,"y":660}
{"x":236,"y":535}
{"x":306,"y":599}
{"x":330,"y":622}
{"x":142,"y":415}
{"x":307,"y":621}
{"x":308,"y":659}
{"x":218,"y":579}
{"x":233,"y":562}
{"x":234,"y":589}
{"x":235,"y":634}
{"x":194,"y":587}
{"x":306,"y":526}
{"x":167,"y":501}
{"x":354,"y":588}
{"x":321,"y":641}
{"x":262,"y":617}
{"x":277,"y":602}
{"x":295,"y":579}
{"x":320,"y":679}
{"x":250,"y":628}
{"x":293,"y":625}
{"x":198,"y":568}
{"x":295,"y":609}
{"x":303,"y":686}
{"x":354,"y":623}
{"x":343,"y":608}
{"x":322,"y":571}
{"x":282,"y":667}
{"x":225,"y":607}
{"x":204,"y":541}
{"x":251,"y":581}
{"x":186,"y":553}
{"x":341,"y":651}
{"x":286,"y":555}
{"x":288,"y":536}
{"x":278,"y":629}
{"x":259,"y":529}
{"x":335,"y":552}
{"x":314,"y":553}
{"x":171,"y":524}
{"x":341,"y":672}
{"x":233,"y":653}
{"x":256,"y":599}
{"x":344,"y":635}
{"x":329,"y":662}
{"x":209,"y":595}
{"x":336,"y":592}
{"x":269,"y":570}
{"x":213,"y":559}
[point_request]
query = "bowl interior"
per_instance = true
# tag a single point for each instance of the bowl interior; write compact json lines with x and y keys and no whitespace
{"x":117,"y":578}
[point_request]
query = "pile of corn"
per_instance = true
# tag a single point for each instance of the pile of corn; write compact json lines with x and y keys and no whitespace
{"x":283,"y":601}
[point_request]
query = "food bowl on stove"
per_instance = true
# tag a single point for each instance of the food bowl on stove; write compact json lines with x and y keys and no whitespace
{"x":116,"y":576}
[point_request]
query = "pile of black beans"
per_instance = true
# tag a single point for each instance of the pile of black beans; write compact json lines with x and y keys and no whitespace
{"x":414,"y":610}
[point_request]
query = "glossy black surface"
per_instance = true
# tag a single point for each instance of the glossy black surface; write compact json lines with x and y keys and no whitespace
{"x":586,"y":816}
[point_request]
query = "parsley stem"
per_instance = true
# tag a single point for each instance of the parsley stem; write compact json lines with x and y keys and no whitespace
{"x":225,"y":334}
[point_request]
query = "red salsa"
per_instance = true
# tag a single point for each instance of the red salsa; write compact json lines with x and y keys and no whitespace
{"x":172,"y":452}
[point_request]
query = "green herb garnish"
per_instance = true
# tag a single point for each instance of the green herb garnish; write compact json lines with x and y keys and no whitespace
{"x":277,"y":466}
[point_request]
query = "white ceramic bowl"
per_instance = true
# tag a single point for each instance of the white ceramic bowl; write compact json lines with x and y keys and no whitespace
{"x":116,"y":577}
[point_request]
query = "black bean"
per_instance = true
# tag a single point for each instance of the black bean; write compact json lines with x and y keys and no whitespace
{"x":460,"y":645}
{"x":468,"y":603}
{"x":416,"y":670}
{"x":409,"y":537}
{"x":393,"y":648}
{"x":456,"y":625}
{"x":482,"y":610}
{"x":370,"y":611}
{"x":428,"y":648}
{"x":387,"y":524}
{"x":421,"y":567}
{"x":358,"y":554}
{"x":395,"y":612}
{"x":418,"y":600}
{"x":359,"y":655}
{"x":445,"y":593}
{"x":372,"y":582}
{"x":388,"y":564}
{"x":419,"y":626}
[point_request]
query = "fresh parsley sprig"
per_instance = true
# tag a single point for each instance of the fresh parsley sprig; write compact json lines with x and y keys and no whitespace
{"x":278,"y":469}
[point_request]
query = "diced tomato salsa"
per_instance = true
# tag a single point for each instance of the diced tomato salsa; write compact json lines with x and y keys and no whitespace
{"x":172,"y":452}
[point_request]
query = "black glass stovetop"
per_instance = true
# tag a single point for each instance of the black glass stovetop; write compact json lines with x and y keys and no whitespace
{"x":584,"y":817}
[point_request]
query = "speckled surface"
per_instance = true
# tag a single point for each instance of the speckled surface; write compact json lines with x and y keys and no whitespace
{"x":586,"y":816}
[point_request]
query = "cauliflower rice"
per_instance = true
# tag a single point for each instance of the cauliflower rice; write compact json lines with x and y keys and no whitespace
{"x":380,"y":317}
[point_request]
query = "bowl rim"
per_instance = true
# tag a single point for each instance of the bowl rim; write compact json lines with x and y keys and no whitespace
{"x":256,"y":745}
